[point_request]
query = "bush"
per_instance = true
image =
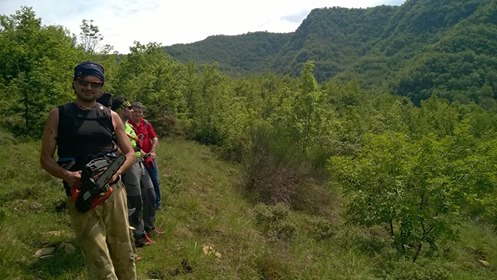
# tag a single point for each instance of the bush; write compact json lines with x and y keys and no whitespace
{"x":6,"y":139}
{"x":273,"y":168}
{"x":416,"y":271}
{"x":320,"y":228}
{"x":275,"y":221}
{"x":165,"y":125}
{"x":272,"y":266}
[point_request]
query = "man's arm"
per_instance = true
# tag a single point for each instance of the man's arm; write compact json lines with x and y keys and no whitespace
{"x":124,"y":145}
{"x":153,"y":139}
{"x":155,"y":142}
{"x":48,"y":146}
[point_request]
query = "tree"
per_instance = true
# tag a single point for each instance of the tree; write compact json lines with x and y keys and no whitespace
{"x":36,"y":60}
{"x":90,"y":36}
{"x":305,"y":107}
{"x":150,"y":76}
{"x":403,"y":184}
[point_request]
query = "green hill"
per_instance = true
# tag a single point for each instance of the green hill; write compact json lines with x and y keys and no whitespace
{"x":212,"y":231}
{"x":324,"y":180}
{"x":252,"y":52}
{"x":414,"y":50}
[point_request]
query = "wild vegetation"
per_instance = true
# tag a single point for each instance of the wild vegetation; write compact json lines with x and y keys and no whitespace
{"x":412,"y":50}
{"x":265,"y":176}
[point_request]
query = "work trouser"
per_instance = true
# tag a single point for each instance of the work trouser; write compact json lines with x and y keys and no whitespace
{"x":103,"y":234}
{"x":131,"y":179}
{"x":148,"y":196}
{"x":153,"y":172}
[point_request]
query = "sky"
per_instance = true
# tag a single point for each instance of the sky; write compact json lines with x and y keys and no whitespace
{"x":168,"y":22}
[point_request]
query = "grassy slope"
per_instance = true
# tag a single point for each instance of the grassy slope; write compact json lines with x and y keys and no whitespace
{"x":204,"y":207}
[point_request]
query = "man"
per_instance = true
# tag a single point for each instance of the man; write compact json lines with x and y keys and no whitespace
{"x":83,"y":130}
{"x":148,"y":142}
{"x":105,"y":99}
{"x":141,"y":195}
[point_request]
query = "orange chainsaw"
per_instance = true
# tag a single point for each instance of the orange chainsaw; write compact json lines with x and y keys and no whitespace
{"x":95,"y":187}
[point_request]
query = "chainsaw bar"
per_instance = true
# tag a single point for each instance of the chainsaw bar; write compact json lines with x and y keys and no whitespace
{"x":103,"y":179}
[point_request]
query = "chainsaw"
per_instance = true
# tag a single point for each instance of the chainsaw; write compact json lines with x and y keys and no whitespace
{"x":95,"y":187}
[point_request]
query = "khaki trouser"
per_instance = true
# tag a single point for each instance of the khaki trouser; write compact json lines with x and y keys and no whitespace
{"x":103,"y":234}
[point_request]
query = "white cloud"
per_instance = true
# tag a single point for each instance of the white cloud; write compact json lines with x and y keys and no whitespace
{"x":167,"y":22}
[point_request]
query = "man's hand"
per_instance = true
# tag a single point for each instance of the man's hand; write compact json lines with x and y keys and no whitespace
{"x":114,"y":178}
{"x":149,"y":154}
{"x":73,"y":178}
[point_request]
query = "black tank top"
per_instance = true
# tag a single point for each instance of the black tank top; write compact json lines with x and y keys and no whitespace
{"x":84,"y":134}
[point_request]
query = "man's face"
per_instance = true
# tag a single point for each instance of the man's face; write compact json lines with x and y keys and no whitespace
{"x":136,"y":114}
{"x":88,"y":88}
{"x":126,"y":113}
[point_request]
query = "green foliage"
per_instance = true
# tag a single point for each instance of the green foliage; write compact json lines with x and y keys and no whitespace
{"x":203,"y":206}
{"x":273,"y":167}
{"x":275,"y":221}
{"x":407,"y":173}
{"x":207,"y":106}
{"x":477,"y":174}
{"x":151,"y":77}
{"x":414,"y":271}
{"x":416,"y":49}
{"x":90,"y":36}
{"x":254,"y":50}
{"x":320,"y":228}
{"x":403,"y":185}
{"x":35,"y":76}
{"x":306,"y":110}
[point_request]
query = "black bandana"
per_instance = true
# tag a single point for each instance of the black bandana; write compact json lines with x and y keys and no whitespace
{"x":89,"y":68}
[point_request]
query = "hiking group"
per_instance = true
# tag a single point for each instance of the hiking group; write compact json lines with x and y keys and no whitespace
{"x":104,"y":151}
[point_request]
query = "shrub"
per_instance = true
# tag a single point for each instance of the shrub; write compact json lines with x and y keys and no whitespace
{"x":271,"y":266}
{"x":320,"y":228}
{"x":404,"y":185}
{"x":273,"y":167}
{"x":275,"y":221}
{"x":417,"y":271}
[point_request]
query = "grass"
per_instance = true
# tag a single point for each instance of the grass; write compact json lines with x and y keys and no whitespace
{"x":213,"y":232}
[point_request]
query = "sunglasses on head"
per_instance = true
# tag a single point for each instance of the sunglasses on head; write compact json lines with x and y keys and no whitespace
{"x":94,"y":85}
{"x":125,"y":105}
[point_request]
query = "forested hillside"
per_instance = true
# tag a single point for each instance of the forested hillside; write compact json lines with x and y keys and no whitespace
{"x":281,"y":176}
{"x":237,"y":55}
{"x":415,"y":50}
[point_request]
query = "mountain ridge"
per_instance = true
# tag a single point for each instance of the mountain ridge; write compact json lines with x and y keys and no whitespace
{"x":382,"y":47}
